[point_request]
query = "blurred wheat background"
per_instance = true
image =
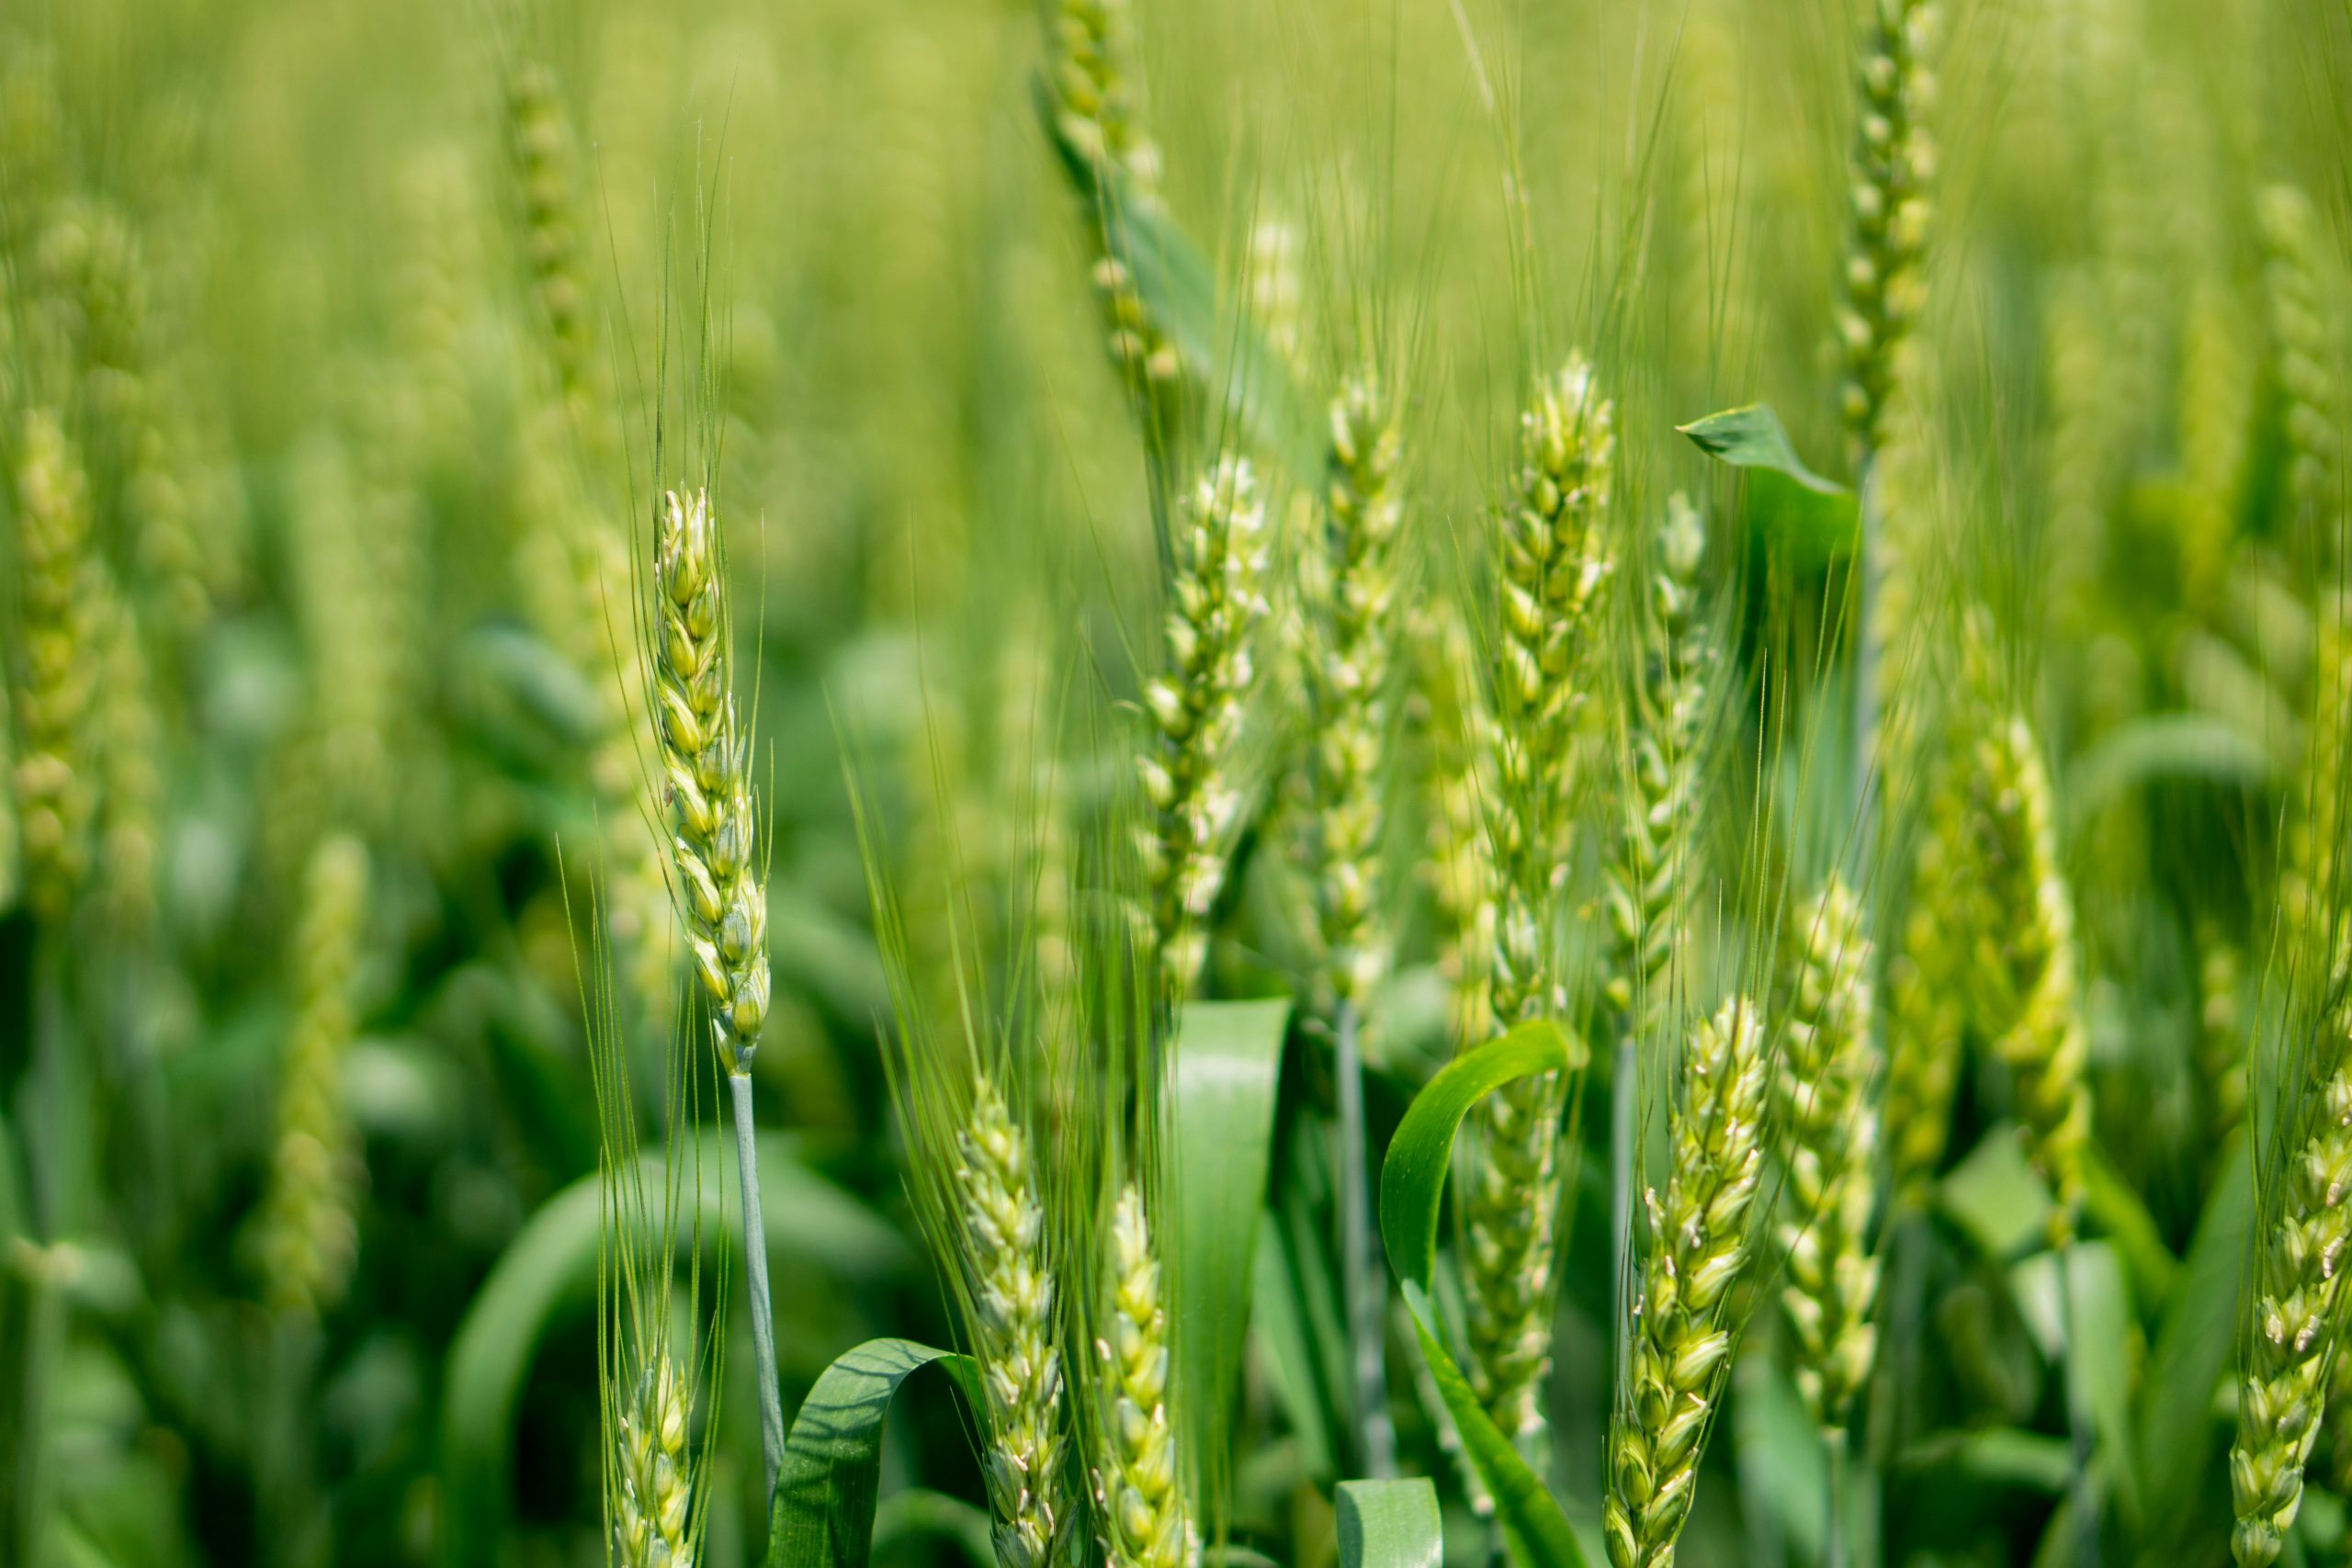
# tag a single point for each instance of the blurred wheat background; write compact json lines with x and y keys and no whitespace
{"x":348,"y":352}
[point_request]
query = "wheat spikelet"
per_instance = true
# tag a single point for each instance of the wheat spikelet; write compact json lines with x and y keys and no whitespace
{"x":1926,"y":1016}
{"x":1012,"y":1326}
{"x":131,"y":774}
{"x":2303,"y":321}
{"x":1828,"y":1136}
{"x":539,"y":139}
{"x":2310,"y":851}
{"x":1095,"y":94}
{"x":2297,"y":1306}
{"x":1145,"y":1517}
{"x":1459,"y":866}
{"x":1556,"y":567}
{"x":1663,"y":801}
{"x":2026,"y":997}
{"x":2221,"y":1034}
{"x":650,"y":1507}
{"x":1214,"y":602}
{"x":308,"y":1238}
{"x":706,"y":765}
{"x":2219,"y":377}
{"x":1353,"y":594}
{"x":1682,"y":1333}
{"x":348,"y":633}
{"x":11,"y":845}
{"x":60,"y":611}
{"x":1894,"y":170}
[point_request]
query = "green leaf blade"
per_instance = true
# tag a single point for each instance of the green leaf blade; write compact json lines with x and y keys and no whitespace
{"x":1411,"y":1182}
{"x":1390,"y":1524}
{"x":1228,"y":1056}
{"x":825,"y":1491}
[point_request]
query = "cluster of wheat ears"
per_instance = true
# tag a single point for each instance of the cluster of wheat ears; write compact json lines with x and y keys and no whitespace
{"x":1541,"y":758}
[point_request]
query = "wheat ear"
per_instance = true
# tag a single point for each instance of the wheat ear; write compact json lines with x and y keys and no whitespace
{"x":1683,"y":1330}
{"x":1354,"y":587}
{"x":1094,"y":91}
{"x":2221,"y":1034}
{"x":61,"y":617}
{"x":1924,"y":1015}
{"x":131,"y":770}
{"x":1894,"y":168}
{"x":651,"y":1511}
{"x":1663,"y":807}
{"x":539,"y":136}
{"x":1556,"y":567}
{"x":2027,"y":998}
{"x":1828,"y":1138}
{"x":1459,"y":780}
{"x":2303,"y":324}
{"x":1215,"y":603}
{"x":309,"y":1238}
{"x":2297,"y":1296}
{"x":1146,"y":1517}
{"x":722,"y":902}
{"x":1014,"y":1334}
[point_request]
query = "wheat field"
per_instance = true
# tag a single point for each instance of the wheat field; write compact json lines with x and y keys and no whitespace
{"x":1172,"y":783}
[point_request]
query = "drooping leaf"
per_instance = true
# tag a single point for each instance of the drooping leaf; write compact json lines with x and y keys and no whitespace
{"x":1780,"y":1451}
{"x":1995,"y":1197}
{"x":2110,"y":1198}
{"x":2098,"y":1360}
{"x":1289,"y":1352}
{"x":1999,"y":1456}
{"x":550,"y":1267}
{"x":1390,"y":1524}
{"x":1810,"y":520}
{"x":916,"y":1513}
{"x":825,"y":1491}
{"x":2163,"y":746}
{"x":1227,"y":1057}
{"x":1411,"y":1182}
{"x":1751,"y":437}
{"x":1224,"y":351}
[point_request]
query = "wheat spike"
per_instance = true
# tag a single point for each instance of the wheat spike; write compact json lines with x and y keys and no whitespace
{"x":1353,"y":595}
{"x":1893,"y":173}
{"x":1661,"y":830}
{"x":2303,"y":321}
{"x":1460,"y":866}
{"x":2297,"y":1308}
{"x":2027,"y":998}
{"x":309,"y":1238}
{"x":1095,"y":93}
{"x":651,"y":1511}
{"x":1215,"y":603}
{"x":1827,"y":1131}
{"x":1013,"y":1329}
{"x":1145,"y":1517}
{"x":706,"y":776}
{"x":1682,"y":1331}
{"x":1926,"y":1015}
{"x":1557,"y":565}
{"x":61,"y":617}
{"x":130,"y":773}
